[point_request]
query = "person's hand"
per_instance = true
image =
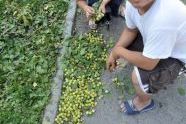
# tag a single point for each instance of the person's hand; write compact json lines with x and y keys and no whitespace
{"x":102,"y":8}
{"x":111,"y":62}
{"x":89,"y":11}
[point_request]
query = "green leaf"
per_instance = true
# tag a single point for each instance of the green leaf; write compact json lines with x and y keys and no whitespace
{"x":181,"y":91}
{"x":83,"y":51}
{"x":28,"y":38}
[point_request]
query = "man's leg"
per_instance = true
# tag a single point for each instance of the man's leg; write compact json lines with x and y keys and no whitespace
{"x":114,"y":6}
{"x":91,"y":2}
{"x":147,"y":82}
{"x":142,"y":99}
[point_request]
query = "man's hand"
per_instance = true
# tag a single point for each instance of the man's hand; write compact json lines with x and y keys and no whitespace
{"x":89,"y":11}
{"x":102,"y":8}
{"x":111,"y":62}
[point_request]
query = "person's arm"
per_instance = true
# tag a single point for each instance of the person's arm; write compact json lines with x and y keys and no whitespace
{"x":127,"y":37}
{"x":136,"y":58}
{"x":103,"y":4}
{"x":83,"y":5}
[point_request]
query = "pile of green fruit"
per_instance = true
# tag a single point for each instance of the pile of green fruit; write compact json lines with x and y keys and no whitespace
{"x":83,"y":64}
{"x":98,"y":14}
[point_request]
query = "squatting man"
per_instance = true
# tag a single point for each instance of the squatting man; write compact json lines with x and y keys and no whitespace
{"x":154,"y":41}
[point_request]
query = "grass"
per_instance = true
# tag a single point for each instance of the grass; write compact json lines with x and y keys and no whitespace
{"x":30,"y":31}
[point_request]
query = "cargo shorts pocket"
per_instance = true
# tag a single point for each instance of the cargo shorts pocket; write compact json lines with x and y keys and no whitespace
{"x":161,"y":77}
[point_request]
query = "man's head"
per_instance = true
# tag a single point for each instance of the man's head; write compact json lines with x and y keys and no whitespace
{"x":142,"y":4}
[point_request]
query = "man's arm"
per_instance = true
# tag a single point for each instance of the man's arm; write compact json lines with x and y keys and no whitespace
{"x":126,"y":38}
{"x":83,"y":5}
{"x":135,"y":58}
{"x":103,"y":5}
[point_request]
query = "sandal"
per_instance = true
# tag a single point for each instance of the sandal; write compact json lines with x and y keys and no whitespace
{"x":130,"y":109}
{"x":92,"y":24}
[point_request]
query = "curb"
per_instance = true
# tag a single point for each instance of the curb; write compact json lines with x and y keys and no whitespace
{"x":51,"y":109}
{"x":70,"y":19}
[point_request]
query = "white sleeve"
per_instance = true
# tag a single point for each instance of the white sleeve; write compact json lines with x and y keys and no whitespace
{"x":128,"y":16}
{"x":159,"y":44}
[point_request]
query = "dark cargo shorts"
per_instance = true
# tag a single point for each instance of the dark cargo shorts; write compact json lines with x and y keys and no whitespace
{"x":163,"y":74}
